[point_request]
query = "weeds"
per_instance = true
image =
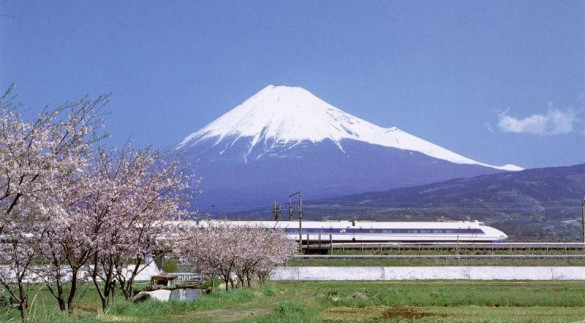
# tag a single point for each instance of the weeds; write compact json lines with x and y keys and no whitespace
{"x":342,"y":301}
{"x":292,"y":312}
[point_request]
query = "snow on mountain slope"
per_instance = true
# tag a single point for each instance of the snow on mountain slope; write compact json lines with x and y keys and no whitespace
{"x":286,"y":115}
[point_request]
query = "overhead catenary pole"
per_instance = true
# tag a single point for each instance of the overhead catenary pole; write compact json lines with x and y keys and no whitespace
{"x":583,"y":217}
{"x":290,"y":209}
{"x":300,"y":216}
{"x":276,"y":211}
{"x":301,"y":220}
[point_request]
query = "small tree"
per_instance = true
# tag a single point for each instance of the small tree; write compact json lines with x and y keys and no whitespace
{"x":211,"y":248}
{"x":19,"y":254}
{"x":277,"y":248}
{"x":260,"y":251}
{"x":134,"y":193}
{"x":68,"y":208}
{"x":229,"y":248}
{"x":64,"y":247}
{"x":159,"y":198}
{"x":37,"y":160}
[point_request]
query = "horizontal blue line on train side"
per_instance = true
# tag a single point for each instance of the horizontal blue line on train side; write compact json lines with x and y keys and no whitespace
{"x":381,"y":231}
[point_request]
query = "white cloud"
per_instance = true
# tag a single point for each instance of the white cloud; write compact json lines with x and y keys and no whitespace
{"x":553,"y":123}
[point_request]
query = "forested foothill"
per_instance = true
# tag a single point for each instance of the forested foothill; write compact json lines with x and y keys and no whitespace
{"x":542,"y":204}
{"x":76,"y":215}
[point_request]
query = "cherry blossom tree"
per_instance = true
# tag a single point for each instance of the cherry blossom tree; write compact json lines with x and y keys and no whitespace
{"x":160,"y":190}
{"x":260,"y":250}
{"x":208,"y":249}
{"x":33,"y":156}
{"x":18,"y":255}
{"x":134,"y":193}
{"x":70,"y":208}
{"x":276,"y":249}
{"x":226,"y":249}
{"x":63,"y":246}
{"x":37,"y":161}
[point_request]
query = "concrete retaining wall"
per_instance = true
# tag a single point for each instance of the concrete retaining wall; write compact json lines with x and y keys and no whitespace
{"x":428,"y":273}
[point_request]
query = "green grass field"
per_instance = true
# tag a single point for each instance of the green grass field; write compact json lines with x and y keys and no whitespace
{"x":432,"y":301}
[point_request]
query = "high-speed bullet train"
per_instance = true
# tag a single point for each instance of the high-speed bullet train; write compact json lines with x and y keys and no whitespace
{"x":363,"y":231}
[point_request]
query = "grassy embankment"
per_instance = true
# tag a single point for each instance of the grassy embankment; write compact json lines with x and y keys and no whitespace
{"x":347,"y":301}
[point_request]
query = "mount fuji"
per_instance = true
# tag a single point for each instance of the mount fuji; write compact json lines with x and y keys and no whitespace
{"x":285,"y":139}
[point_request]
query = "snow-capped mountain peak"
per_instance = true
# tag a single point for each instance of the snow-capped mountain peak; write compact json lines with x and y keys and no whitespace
{"x":285,"y":115}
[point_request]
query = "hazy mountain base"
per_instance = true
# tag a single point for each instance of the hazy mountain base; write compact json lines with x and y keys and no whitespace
{"x":532,"y":205}
{"x":320,"y":170}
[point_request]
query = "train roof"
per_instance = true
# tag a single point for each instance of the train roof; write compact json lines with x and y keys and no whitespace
{"x":348,"y":224}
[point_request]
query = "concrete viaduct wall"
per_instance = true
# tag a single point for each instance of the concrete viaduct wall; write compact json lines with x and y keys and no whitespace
{"x":429,"y":273}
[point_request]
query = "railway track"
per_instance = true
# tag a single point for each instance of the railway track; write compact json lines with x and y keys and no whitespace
{"x":486,"y":246}
{"x":545,"y":256}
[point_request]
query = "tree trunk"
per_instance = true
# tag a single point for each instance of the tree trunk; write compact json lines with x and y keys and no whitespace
{"x":249,"y":279}
{"x":73,"y":290}
{"x":58,"y":294}
{"x":100,"y":294}
{"x":212,"y":282}
{"x":22,"y":301}
{"x":113,"y":291}
{"x":94,"y":277}
{"x":127,"y":286}
{"x":22,"y":309}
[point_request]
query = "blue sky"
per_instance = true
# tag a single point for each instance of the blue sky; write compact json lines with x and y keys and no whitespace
{"x":497,"y":81}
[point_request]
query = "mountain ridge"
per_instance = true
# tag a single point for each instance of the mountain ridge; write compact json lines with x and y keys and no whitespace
{"x":553,"y":185}
{"x":541,"y":204}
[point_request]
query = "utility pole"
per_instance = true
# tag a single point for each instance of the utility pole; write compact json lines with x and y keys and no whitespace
{"x":300,"y":216}
{"x":276,"y":211}
{"x":290,"y":209}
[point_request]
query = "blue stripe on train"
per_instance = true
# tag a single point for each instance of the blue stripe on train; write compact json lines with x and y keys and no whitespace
{"x":381,"y":231}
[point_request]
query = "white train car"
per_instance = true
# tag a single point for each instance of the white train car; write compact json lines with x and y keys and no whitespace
{"x":366,"y":231}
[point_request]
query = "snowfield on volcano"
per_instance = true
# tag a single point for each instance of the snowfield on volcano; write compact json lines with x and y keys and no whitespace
{"x":280,"y":116}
